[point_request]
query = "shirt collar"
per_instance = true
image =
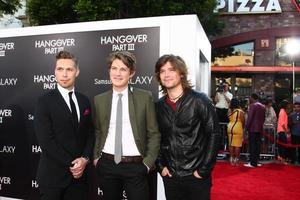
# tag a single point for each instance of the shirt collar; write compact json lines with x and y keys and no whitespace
{"x":64,"y":91}
{"x":124,"y":92}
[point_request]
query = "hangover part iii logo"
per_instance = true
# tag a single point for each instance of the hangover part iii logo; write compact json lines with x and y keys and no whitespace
{"x":123,"y":42}
{"x":5,"y":113}
{"x":4,"y":181}
{"x":48,"y":81}
{"x":54,"y":46}
{"x":6,"y":47}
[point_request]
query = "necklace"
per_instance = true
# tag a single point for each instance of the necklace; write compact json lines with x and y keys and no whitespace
{"x":176,"y":98}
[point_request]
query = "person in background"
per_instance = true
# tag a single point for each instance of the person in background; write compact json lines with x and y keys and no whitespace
{"x":64,"y":130}
{"x":190,"y":133}
{"x":294,"y":124}
{"x":269,"y":125}
{"x":282,"y":131}
{"x":127,"y":136}
{"x":222,"y":100}
{"x":254,"y":126}
{"x":235,"y":131}
{"x":270,"y":118}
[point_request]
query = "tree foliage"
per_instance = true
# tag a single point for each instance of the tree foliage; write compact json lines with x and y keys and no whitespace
{"x":43,"y":12}
{"x":61,"y":11}
{"x":9,"y":6}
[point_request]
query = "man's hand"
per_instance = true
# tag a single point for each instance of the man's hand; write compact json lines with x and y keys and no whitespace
{"x":197,"y":175}
{"x":95,"y":161}
{"x":78,"y":167}
{"x":165,"y":172}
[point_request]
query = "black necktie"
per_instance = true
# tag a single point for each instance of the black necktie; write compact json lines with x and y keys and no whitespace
{"x":73,"y":108}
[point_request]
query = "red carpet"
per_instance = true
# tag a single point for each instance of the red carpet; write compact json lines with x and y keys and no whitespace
{"x":268,"y":182}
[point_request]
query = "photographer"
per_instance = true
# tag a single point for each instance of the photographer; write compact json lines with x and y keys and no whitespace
{"x":222,"y":99}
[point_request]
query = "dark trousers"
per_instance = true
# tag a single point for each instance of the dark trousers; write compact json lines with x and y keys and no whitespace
{"x":222,"y":114}
{"x":75,"y":191}
{"x":187,"y":188}
{"x":254,"y":145}
{"x":131,"y":177}
{"x":282,"y":151}
{"x":296,"y":150}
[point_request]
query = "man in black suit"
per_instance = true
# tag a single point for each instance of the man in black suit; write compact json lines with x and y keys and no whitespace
{"x":63,"y":126}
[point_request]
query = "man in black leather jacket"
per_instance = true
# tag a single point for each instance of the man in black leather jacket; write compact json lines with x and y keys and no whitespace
{"x":190,"y":133}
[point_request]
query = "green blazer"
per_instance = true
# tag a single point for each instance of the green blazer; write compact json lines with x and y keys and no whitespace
{"x":142,"y":118}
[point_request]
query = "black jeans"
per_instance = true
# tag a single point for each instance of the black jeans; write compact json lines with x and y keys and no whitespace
{"x":131,"y":177}
{"x":187,"y":188}
{"x":254,"y":143}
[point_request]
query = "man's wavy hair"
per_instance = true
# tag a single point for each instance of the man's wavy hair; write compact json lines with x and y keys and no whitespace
{"x":126,"y":57}
{"x":179,"y":65}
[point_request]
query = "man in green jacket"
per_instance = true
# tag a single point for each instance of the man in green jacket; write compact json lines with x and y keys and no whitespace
{"x":127,"y":136}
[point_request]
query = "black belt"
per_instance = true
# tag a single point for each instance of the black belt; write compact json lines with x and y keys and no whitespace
{"x":124,"y":159}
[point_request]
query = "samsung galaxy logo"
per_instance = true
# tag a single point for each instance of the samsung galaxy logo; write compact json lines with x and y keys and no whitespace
{"x":248,"y":6}
{"x":142,"y":80}
{"x":7,"y":149}
{"x":8,"y":81}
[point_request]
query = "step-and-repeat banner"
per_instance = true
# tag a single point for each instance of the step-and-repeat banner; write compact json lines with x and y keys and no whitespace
{"x":27,"y":70}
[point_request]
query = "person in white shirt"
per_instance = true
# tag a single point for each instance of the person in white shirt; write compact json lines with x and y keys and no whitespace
{"x":222,"y":99}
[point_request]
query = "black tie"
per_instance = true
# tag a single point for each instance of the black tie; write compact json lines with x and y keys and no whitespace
{"x":73,"y":108}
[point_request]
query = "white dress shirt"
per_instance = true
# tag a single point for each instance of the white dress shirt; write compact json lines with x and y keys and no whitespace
{"x":222,"y":103}
{"x":129,"y":147}
{"x":65,"y":93}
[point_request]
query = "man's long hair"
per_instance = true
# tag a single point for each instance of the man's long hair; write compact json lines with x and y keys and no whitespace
{"x":179,"y":65}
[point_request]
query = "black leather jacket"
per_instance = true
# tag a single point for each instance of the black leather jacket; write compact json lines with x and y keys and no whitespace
{"x":190,"y":136}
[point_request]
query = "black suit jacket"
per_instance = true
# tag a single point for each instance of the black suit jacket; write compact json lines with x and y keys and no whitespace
{"x":61,"y":139}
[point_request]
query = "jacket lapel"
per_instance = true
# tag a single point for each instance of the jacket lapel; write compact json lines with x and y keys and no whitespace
{"x":132,"y":116}
{"x":81,"y":107}
{"x":106,"y":109}
{"x":61,"y":103}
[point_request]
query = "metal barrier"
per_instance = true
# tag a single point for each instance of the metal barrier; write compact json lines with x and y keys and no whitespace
{"x":268,"y":142}
{"x":268,"y":148}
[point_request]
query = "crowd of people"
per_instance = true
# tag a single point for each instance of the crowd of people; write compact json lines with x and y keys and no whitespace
{"x":256,"y":125}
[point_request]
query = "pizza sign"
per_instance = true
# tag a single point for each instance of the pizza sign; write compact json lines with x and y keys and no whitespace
{"x":297,"y":4}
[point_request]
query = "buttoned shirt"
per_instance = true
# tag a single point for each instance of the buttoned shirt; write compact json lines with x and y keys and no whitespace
{"x":65,"y":94}
{"x":129,"y":147}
